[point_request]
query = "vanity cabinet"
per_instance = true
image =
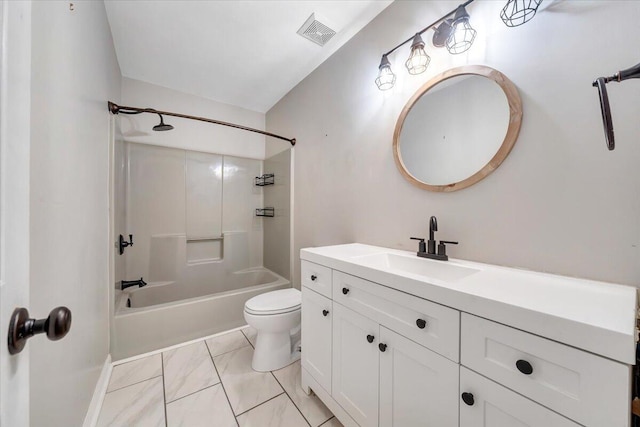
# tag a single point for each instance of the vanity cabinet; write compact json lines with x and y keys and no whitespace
{"x":417,"y":386}
{"x":356,"y":362}
{"x":387,"y":355}
{"x":488,"y":404}
{"x":582,"y":386}
{"x":316,"y":336}
{"x":379,"y":373}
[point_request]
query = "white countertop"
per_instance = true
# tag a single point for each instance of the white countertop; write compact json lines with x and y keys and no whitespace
{"x":595,"y":316}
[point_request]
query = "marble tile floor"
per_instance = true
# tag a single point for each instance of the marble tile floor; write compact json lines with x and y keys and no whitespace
{"x":210,"y":383}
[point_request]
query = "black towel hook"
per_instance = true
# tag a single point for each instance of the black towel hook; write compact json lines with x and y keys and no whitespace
{"x":600,"y":82}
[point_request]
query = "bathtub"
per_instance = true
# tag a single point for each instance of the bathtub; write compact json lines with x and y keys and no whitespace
{"x":167,"y":313}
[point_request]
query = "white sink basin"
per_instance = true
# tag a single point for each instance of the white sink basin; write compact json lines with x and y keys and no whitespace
{"x":439,"y":270}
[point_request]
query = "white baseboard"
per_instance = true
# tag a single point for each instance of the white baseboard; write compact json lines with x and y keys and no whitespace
{"x":91,"y":419}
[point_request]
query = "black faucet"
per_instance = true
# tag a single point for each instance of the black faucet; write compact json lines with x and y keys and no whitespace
{"x":433,"y":227}
{"x":429,"y":250}
{"x":124,"y":284}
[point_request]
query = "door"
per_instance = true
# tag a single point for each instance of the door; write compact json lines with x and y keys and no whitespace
{"x":417,"y":386}
{"x":485,"y":403}
{"x":15,"y":95}
{"x":355,"y":365}
{"x":316,"y":336}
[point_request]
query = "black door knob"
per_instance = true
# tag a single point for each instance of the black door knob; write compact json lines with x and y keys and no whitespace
{"x":325,"y":313}
{"x":21,"y":327}
{"x":370,"y":338}
{"x":421,"y":323}
{"x":382,"y":347}
{"x":314,"y":277}
{"x":468,"y":398}
{"x":345,"y":291}
{"x":524,"y":367}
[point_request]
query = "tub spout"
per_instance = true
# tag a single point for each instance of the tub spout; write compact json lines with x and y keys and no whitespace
{"x":124,"y":284}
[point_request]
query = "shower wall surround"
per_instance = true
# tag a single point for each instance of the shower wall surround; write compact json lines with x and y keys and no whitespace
{"x":560,"y":202}
{"x":177,"y":210}
{"x":277,"y":230}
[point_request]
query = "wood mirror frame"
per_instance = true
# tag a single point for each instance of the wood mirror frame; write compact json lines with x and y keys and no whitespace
{"x":515,"y":121}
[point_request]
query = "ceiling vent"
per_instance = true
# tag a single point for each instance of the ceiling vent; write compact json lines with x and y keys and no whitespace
{"x":316,"y":31}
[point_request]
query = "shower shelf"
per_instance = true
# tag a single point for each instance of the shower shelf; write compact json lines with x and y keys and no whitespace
{"x":268,"y":212}
{"x":266,"y":179}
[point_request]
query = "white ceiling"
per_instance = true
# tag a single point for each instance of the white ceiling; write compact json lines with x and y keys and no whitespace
{"x":244,"y":53}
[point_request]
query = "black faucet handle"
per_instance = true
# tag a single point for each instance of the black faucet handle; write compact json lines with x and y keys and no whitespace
{"x":422,"y":247}
{"x":442,"y":249}
{"x":130,"y":239}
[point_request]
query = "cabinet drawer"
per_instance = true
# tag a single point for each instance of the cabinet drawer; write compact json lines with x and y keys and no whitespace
{"x":497,"y":406}
{"x":589,"y":389}
{"x":432,"y":325}
{"x":317,"y":312}
{"x":316,"y":277}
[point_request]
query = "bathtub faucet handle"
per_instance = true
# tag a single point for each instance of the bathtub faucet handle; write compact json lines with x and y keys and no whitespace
{"x":123,"y":243}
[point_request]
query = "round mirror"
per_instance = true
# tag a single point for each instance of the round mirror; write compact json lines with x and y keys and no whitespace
{"x":457,"y":128}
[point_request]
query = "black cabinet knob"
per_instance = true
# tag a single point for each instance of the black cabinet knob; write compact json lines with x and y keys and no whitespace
{"x":421,"y":323}
{"x":325,"y":313}
{"x":345,"y":291}
{"x":524,"y":367}
{"x":468,"y":398}
{"x":370,"y":338}
{"x":382,"y":347}
{"x":313,"y":277}
{"x":21,"y":327}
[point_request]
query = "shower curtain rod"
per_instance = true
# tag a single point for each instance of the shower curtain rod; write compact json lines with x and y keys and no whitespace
{"x":116,"y":109}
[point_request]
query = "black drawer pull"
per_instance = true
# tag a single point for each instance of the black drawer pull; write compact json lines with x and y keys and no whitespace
{"x":325,"y":313}
{"x":524,"y":367}
{"x":468,"y":398}
{"x":382,"y":347}
{"x":370,"y":338}
{"x":421,"y":323}
{"x":313,"y":277}
{"x":345,"y":291}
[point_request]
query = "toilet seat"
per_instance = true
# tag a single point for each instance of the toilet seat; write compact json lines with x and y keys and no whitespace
{"x":275,"y":302}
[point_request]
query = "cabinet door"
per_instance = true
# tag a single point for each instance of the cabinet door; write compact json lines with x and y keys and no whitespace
{"x":489,"y":404}
{"x":316,"y":336}
{"x":355,"y":365}
{"x":417,"y":386}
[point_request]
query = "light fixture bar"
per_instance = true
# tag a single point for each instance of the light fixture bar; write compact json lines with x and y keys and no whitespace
{"x":116,"y":109}
{"x":432,"y":25}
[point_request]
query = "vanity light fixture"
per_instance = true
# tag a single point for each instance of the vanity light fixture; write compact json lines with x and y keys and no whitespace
{"x":455,"y":33}
{"x":517,"y":12}
{"x":386,"y":79}
{"x":418,"y":59}
{"x":462,"y":36}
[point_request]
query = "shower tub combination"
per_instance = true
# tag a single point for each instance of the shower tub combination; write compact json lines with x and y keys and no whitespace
{"x":168,"y":313}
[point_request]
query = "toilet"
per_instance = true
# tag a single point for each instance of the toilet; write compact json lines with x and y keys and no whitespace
{"x":276,"y":317}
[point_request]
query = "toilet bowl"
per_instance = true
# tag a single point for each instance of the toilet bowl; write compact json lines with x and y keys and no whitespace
{"x":276,"y":317}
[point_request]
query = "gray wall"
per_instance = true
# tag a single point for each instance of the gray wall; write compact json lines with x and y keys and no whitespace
{"x":74,"y":73}
{"x":559,"y":203}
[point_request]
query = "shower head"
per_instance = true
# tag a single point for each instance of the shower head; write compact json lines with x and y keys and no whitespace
{"x":162,"y":126}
